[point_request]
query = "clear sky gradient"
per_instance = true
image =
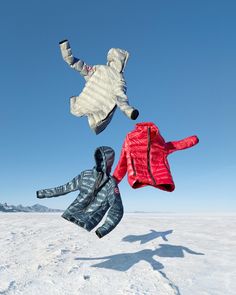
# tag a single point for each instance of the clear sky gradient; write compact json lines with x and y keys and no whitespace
{"x":181,"y":76}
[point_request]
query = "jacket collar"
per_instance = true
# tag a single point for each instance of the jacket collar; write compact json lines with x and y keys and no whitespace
{"x":154,"y":131}
{"x":145,"y":125}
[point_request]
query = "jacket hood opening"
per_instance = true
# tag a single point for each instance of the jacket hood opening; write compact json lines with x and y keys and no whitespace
{"x":117,"y":59}
{"x":104,"y":158}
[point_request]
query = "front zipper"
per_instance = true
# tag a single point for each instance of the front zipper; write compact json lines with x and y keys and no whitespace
{"x":148,"y":157}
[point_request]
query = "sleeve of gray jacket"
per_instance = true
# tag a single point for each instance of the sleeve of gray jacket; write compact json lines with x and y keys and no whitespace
{"x":122,"y":101}
{"x":114,"y":215}
{"x":70,"y":186}
{"x":75,"y":63}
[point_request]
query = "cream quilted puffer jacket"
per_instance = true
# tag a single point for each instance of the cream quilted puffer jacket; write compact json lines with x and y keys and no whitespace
{"x":105,"y":88}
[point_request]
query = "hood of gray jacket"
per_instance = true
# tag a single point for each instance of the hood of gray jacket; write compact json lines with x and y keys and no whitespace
{"x":104,"y":158}
{"x":117,"y":59}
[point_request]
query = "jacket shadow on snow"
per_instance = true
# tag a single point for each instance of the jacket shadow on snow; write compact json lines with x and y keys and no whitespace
{"x":124,"y":261}
{"x":147,"y":237}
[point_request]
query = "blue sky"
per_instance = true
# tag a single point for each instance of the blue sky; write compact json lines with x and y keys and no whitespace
{"x":180,"y":75}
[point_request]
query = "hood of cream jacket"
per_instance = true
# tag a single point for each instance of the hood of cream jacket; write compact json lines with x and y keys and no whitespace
{"x":117,"y":58}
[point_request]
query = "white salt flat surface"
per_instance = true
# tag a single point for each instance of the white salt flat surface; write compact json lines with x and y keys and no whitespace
{"x":146,"y":254}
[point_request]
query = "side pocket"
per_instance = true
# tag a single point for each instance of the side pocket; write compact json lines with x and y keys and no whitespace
{"x":132,"y":163}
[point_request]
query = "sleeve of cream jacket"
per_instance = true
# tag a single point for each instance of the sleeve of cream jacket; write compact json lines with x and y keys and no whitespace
{"x":122,"y":100}
{"x":75,"y":63}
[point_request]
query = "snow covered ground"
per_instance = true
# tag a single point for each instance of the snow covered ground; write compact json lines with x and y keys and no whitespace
{"x":41,"y":253}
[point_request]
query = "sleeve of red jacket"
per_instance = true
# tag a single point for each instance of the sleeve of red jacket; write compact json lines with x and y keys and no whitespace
{"x":121,"y":167}
{"x":185,"y":143}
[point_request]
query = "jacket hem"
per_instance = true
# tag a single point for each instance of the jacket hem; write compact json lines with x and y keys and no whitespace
{"x":168,"y":187}
{"x":80,"y":223}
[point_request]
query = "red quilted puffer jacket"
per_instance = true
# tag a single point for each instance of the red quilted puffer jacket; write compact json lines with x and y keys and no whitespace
{"x":144,"y":157}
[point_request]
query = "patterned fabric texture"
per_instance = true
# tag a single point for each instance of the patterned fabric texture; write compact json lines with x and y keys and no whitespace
{"x":99,"y":193}
{"x":144,"y":157}
{"x":105,"y":88}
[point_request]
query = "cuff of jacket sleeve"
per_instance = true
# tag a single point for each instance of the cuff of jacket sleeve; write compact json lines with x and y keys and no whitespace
{"x":63,"y":41}
{"x":64,"y":46}
{"x":193,"y":140}
{"x":128,"y":112}
{"x":100,"y":232}
{"x":134,"y":115}
{"x":39,"y":195}
{"x":196,"y":139}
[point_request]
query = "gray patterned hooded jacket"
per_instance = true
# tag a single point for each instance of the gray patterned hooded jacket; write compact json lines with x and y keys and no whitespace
{"x":105,"y":88}
{"x":98,"y":193}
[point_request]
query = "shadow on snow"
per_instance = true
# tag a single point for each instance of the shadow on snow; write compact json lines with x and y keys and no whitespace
{"x":124,"y":261}
{"x":147,"y":237}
